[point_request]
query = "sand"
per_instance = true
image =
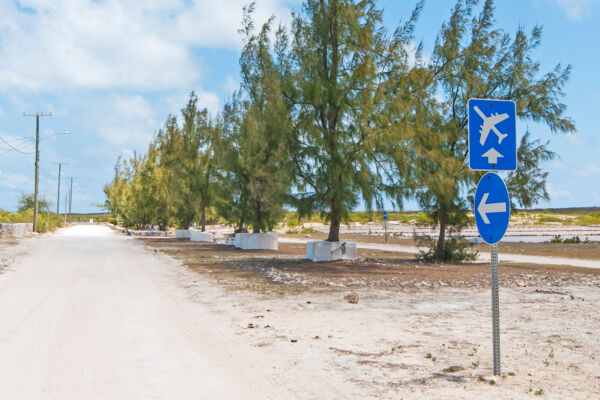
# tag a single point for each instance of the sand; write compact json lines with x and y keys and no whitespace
{"x":91,"y":314}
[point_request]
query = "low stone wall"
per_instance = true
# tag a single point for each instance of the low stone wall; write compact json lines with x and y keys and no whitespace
{"x":256,"y":241}
{"x":322,"y":250}
{"x":15,"y":230}
{"x":199,"y":236}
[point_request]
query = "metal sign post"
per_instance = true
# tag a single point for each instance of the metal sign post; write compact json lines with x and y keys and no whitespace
{"x":495,"y":310}
{"x":492,"y":147}
{"x":492,"y":214}
{"x":385,"y":217}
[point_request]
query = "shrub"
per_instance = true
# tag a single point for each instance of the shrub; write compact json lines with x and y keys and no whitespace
{"x":454,"y":250}
{"x":573,"y":240}
{"x":46,"y":221}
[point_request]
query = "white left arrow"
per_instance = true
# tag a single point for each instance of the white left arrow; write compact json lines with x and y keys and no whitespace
{"x":487,"y":208}
{"x":492,"y":155}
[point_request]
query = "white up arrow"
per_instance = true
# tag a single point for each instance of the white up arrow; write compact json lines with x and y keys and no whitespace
{"x":485,"y":208}
{"x":492,"y":156}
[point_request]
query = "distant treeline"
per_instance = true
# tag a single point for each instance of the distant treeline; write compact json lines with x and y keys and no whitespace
{"x":335,"y":110}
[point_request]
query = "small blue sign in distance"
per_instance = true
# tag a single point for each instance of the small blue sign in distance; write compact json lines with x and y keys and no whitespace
{"x":492,"y":135}
{"x":385,"y":215}
{"x":492,"y":208}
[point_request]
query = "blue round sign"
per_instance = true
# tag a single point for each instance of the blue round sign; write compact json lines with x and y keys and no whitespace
{"x":492,"y":208}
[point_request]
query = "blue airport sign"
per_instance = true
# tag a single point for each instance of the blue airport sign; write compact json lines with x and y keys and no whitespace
{"x":492,"y":208}
{"x":492,"y":135}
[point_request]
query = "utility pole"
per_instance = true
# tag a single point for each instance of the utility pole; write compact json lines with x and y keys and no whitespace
{"x":70,"y":199}
{"x":37,"y":162}
{"x":60,"y":164}
{"x":65,"y":214}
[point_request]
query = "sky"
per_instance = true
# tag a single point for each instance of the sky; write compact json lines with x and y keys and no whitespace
{"x":110,"y":72}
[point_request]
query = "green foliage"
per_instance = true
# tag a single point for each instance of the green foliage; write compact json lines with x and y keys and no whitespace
{"x":362,"y":217}
{"x":97,"y":217}
{"x":339,"y":69}
{"x":47,"y":221}
{"x":573,"y":240}
{"x":172,"y":182}
{"x":549,"y":218}
{"x":253,"y":160}
{"x":455,"y":249}
{"x":185,"y":156}
{"x":473,"y":59}
{"x":589,"y":219}
{"x":308,"y":230}
{"x":26,"y":202}
{"x":336,"y":111}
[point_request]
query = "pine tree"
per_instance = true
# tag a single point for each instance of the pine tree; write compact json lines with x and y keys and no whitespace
{"x":473,"y":59}
{"x":253,"y":131}
{"x":340,"y":72}
{"x":186,"y":155}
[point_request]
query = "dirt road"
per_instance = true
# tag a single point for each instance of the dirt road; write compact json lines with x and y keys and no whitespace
{"x":87,"y":314}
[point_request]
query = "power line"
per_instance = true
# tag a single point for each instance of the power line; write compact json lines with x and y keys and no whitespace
{"x":19,"y":78}
{"x":14,"y":148}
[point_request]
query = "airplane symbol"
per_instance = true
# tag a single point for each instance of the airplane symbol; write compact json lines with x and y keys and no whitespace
{"x":489,"y":123}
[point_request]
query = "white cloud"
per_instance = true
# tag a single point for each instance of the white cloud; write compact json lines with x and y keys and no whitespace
{"x":575,"y":140}
{"x":231,"y":84}
{"x":212,"y":23}
{"x":575,"y":9}
{"x":114,"y":44}
{"x":588,"y":169}
{"x":556,"y":165}
{"x":556,"y":192}
{"x":173,"y":103}
{"x":127,"y":120}
{"x":14,"y":180}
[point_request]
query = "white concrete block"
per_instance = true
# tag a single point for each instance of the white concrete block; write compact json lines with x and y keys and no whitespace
{"x":310,"y":249}
{"x":237,"y":240}
{"x":322,"y":250}
{"x":182,"y":234}
{"x":256,"y":241}
{"x":199,"y":236}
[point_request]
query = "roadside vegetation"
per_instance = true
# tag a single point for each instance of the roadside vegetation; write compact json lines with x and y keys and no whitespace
{"x":97,"y":217}
{"x":335,"y":111}
{"x":47,"y":220}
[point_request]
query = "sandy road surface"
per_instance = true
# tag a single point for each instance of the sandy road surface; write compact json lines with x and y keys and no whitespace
{"x":575,"y":262}
{"x":87,"y":314}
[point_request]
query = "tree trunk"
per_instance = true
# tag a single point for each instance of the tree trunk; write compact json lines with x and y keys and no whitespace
{"x":442,"y":235}
{"x":257,"y":226}
{"x":334,"y":227}
{"x":203,"y":213}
